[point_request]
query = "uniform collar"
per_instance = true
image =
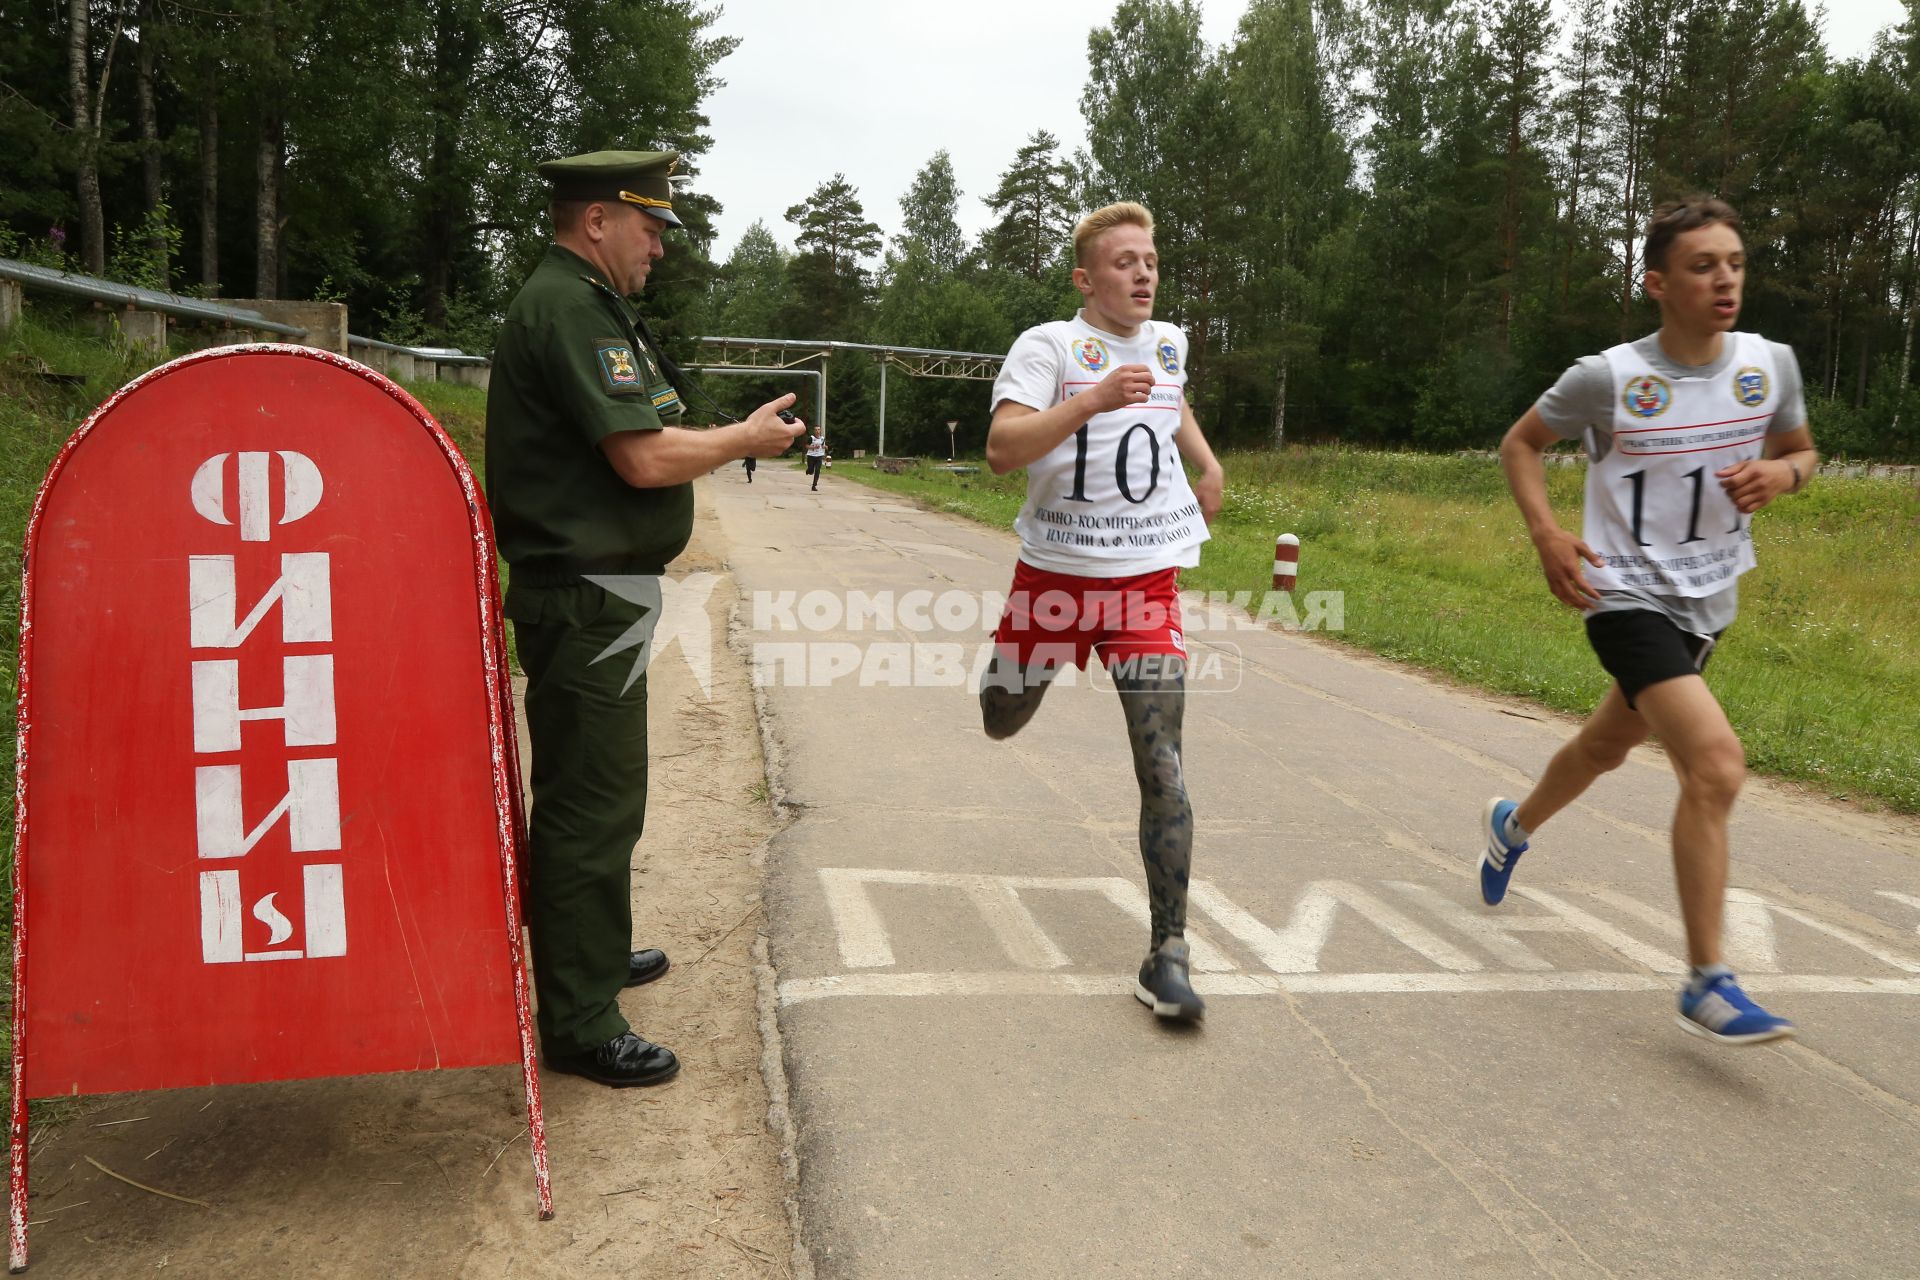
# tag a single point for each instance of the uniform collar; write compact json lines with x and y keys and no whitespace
{"x":573,"y":264}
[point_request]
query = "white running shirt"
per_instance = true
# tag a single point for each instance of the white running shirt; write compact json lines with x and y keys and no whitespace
{"x":1111,"y":500}
{"x":1655,"y":511}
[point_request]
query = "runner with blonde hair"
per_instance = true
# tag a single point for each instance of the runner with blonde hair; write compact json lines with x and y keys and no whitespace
{"x":1095,"y":409}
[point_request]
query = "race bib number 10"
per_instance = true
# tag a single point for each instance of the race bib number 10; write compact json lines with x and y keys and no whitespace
{"x":1123,"y":458}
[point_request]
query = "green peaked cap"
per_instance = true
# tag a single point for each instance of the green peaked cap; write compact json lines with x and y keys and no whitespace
{"x":639,"y":178}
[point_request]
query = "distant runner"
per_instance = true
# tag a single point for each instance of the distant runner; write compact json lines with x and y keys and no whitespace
{"x":1095,"y":409}
{"x":816,"y":454}
{"x":1690,"y":430}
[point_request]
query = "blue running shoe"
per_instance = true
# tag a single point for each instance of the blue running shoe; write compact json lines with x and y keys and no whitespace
{"x":1496,"y":864}
{"x":1722,"y":1012}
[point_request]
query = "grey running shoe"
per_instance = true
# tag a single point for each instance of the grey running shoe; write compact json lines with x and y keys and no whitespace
{"x":1163,"y":986}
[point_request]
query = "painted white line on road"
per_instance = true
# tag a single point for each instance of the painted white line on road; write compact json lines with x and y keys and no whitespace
{"x":1906,"y":898}
{"x":1002,"y":905}
{"x":1132,"y":899}
{"x":803,"y":990}
{"x":1747,"y":935}
{"x":1600,"y":931}
{"x":1491,"y":930}
{"x":1296,"y":947}
{"x":1020,"y":935}
{"x":862,"y":934}
{"x":1738,"y":897}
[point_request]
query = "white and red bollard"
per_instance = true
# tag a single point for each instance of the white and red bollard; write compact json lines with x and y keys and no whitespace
{"x":1286,"y":562}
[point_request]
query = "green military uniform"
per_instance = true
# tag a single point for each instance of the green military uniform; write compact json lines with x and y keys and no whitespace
{"x":572,"y":367}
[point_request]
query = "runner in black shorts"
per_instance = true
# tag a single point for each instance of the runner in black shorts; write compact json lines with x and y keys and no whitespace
{"x":1689,"y":431}
{"x":1642,"y":647}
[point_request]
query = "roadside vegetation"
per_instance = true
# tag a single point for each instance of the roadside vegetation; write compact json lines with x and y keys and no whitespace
{"x":1821,"y":674}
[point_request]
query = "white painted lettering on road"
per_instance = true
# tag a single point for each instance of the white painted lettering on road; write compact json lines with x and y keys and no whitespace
{"x":1296,"y":947}
{"x":863,"y":935}
{"x":1294,"y":952}
{"x":1906,"y":898}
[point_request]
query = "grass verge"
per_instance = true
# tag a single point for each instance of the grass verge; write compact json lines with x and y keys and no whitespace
{"x":1821,"y":674}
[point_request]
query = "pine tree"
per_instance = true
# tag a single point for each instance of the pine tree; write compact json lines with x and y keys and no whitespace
{"x":1035,"y":208}
{"x":829,"y":282}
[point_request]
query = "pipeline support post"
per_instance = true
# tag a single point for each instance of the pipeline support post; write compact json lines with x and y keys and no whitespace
{"x":143,"y":330}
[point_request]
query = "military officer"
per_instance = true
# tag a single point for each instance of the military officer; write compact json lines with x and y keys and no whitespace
{"x":589,"y":476}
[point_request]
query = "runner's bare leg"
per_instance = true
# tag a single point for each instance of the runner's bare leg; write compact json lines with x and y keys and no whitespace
{"x":1602,"y":745}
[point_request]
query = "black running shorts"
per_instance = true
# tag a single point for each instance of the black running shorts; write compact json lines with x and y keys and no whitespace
{"x":1640,"y":648}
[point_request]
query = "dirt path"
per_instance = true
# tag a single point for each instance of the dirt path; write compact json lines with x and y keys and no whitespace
{"x":428,"y":1174}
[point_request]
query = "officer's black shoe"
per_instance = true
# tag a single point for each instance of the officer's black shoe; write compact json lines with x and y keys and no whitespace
{"x":644,"y":966}
{"x":622,"y":1061}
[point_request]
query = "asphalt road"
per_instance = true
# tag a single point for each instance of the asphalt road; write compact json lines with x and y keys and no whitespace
{"x":1393,"y":1080}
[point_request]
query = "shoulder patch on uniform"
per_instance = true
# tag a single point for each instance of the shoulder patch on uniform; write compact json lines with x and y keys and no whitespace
{"x":618,"y":369}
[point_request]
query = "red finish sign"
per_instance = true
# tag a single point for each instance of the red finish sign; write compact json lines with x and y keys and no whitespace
{"x":267,"y":797}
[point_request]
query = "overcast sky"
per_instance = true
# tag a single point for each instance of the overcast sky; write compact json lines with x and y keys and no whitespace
{"x":872,"y":88}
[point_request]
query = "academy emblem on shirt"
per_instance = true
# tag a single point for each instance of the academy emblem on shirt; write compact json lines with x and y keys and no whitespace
{"x":1647,"y":396}
{"x":1091,"y":353}
{"x":1169,"y":357}
{"x":616,"y":365}
{"x":1750,"y":386}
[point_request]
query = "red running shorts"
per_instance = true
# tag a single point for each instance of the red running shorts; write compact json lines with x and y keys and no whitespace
{"x":1056,"y":619}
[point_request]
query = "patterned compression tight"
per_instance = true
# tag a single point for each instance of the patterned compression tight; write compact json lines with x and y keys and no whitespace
{"x":1155,"y":710}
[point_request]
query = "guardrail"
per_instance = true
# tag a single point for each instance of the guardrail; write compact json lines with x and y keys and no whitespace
{"x":421,"y":364}
{"x":143,"y":315}
{"x":439,"y":355}
{"x":94,"y":289}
